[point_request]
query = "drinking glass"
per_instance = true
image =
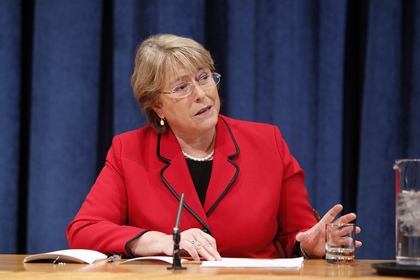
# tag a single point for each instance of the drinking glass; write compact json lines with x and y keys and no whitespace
{"x":340,"y":243}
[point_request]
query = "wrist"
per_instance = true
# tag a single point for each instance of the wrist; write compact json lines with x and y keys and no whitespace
{"x":307,"y":255}
{"x":150,"y":243}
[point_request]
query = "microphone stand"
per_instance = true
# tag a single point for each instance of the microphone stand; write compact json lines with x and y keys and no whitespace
{"x":176,"y":263}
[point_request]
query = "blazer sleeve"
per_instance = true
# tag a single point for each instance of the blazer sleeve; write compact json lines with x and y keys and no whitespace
{"x":295,"y":213}
{"x":100,"y":223}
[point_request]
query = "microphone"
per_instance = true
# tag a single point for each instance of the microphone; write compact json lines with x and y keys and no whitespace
{"x":176,"y":263}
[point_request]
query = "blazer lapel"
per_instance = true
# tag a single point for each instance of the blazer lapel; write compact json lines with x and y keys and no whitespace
{"x":225,"y":170}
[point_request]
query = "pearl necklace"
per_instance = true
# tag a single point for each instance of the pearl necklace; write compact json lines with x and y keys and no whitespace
{"x":198,"y":159}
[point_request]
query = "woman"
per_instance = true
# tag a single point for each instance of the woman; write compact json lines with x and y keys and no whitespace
{"x":244,"y":191}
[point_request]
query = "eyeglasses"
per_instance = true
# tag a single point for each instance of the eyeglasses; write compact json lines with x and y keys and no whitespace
{"x":205,"y":82}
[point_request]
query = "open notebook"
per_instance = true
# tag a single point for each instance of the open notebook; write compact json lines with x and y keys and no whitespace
{"x":69,"y":255}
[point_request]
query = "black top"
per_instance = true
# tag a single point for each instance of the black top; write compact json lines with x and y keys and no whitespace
{"x":200,"y":173}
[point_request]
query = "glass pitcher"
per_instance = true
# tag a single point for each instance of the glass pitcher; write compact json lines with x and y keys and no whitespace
{"x":407,"y":216}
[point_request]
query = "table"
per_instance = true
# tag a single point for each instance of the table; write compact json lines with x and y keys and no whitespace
{"x":12,"y":267}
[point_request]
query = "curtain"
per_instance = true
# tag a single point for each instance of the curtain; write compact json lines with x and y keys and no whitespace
{"x":341,"y":80}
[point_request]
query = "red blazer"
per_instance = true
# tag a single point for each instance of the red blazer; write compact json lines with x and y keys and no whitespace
{"x":256,"y":193}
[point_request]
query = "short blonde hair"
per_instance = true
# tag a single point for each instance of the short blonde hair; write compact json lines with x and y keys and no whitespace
{"x":158,"y":58}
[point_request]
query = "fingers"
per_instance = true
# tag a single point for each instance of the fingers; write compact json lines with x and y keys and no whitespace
{"x":358,"y":243}
{"x":337,"y":235}
{"x":318,"y":229}
{"x":333,"y":212}
{"x":197,"y":243}
{"x":330,"y":216}
{"x":346,"y":218}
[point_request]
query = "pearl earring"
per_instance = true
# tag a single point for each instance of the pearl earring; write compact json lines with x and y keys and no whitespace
{"x":162,"y":122}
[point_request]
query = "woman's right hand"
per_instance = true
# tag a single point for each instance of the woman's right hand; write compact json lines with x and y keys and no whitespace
{"x":193,"y":241}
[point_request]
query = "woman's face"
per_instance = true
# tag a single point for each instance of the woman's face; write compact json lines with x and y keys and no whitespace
{"x":193,"y":115}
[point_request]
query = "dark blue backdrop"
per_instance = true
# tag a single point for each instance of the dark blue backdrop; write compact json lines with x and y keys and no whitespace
{"x":340,"y":78}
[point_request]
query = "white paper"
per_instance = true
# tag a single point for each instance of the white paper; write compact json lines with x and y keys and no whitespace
{"x":153,"y":258}
{"x":247,"y":262}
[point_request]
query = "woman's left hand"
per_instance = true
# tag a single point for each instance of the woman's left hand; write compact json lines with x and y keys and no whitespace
{"x":312,"y":241}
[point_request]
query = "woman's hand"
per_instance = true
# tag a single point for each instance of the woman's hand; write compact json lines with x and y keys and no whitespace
{"x":198,"y":243}
{"x":193,"y":241}
{"x":312,"y":241}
